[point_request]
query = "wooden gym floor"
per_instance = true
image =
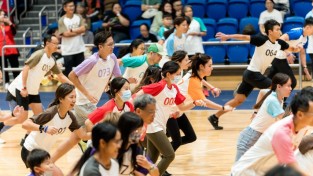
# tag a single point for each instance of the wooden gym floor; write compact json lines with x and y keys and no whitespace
{"x":212,"y":154}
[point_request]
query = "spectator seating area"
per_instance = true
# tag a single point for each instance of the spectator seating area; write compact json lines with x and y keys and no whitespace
{"x":227,"y":16}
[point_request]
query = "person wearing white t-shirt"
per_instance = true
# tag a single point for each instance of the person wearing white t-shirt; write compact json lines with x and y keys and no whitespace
{"x":195,"y":33}
{"x":278,"y":142}
{"x":304,"y":155}
{"x":268,"y":14}
{"x":72,"y":28}
{"x":177,"y":38}
{"x":309,"y":48}
{"x":294,"y":37}
{"x":270,"y":110}
{"x":166,"y":94}
{"x":24,"y":90}
{"x":265,"y":51}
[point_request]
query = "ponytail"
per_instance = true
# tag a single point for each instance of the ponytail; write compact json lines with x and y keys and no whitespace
{"x":259,"y":104}
{"x":87,"y":154}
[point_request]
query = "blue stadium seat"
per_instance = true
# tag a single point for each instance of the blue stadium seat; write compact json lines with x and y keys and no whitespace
{"x":210,"y":27}
{"x":238,"y":8}
{"x":238,"y":53}
{"x":53,"y":25}
{"x":217,"y":52}
{"x":216,"y":9}
{"x":256,"y":7}
{"x":96,"y":25}
{"x":302,"y":7}
{"x":132,"y":9}
{"x":249,"y":20}
{"x":198,"y":7}
{"x":227,"y":25}
{"x":251,"y":50}
{"x":135,"y":28}
{"x":292,"y":22}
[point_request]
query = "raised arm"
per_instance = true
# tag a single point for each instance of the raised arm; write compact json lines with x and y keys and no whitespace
{"x":224,"y":37}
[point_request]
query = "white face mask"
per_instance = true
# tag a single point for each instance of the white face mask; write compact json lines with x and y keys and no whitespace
{"x":126,"y":95}
{"x":176,"y":79}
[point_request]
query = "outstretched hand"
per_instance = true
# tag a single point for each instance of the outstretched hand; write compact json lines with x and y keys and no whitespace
{"x":221,"y":36}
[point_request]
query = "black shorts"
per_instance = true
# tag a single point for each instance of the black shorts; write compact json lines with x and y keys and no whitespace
{"x":251,"y":80}
{"x":23,"y":101}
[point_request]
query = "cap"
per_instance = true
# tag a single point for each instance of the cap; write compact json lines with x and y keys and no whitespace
{"x":157,"y":48}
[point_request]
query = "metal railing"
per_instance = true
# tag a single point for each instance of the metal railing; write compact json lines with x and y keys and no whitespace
{"x":127,"y":44}
{"x":14,"y":10}
{"x":25,"y":9}
{"x":40,"y":15}
{"x":56,"y":10}
{"x":28,"y":31}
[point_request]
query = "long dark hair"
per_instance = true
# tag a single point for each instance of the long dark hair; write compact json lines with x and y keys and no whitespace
{"x":133,"y":45}
{"x":197,"y":60}
{"x":61,"y":92}
{"x":152,"y":72}
{"x":105,"y":131}
{"x":128,"y":123}
{"x":170,"y":67}
{"x":179,"y":56}
{"x":278,"y":79}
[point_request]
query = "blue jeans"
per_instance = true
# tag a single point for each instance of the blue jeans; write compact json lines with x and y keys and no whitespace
{"x":246,"y":140}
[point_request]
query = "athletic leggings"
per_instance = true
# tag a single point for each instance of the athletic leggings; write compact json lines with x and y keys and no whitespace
{"x":158,"y":143}
{"x":173,"y":128}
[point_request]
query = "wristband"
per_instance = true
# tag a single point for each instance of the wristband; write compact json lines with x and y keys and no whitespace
{"x":45,"y":129}
{"x":255,"y":112}
{"x":305,"y":67}
{"x":12,"y":114}
{"x":223,"y":108}
{"x":40,"y":128}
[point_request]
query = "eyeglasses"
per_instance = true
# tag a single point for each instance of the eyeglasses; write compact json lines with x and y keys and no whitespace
{"x":135,"y":136}
{"x":54,"y":43}
{"x":109,"y":44}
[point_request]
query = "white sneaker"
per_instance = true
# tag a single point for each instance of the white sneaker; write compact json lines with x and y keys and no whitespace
{"x":2,"y":141}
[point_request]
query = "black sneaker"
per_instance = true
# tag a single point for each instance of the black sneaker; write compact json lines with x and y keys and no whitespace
{"x":166,"y":174}
{"x":22,"y":142}
{"x":214,"y":122}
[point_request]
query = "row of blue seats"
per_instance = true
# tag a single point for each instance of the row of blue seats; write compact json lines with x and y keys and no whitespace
{"x":225,"y":25}
{"x":218,"y":9}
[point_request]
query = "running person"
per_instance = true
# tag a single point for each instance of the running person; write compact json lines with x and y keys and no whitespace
{"x":136,"y":66}
{"x":265,"y":51}
{"x":24,"y":90}
{"x":294,"y":37}
{"x":270,"y":110}
{"x":119,"y":89}
{"x":166,"y":94}
{"x":93,"y":75}
{"x":278,"y":142}
{"x":48,"y":126}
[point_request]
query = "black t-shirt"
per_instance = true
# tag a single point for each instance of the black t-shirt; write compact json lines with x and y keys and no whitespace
{"x":115,"y":23}
{"x":151,"y":38}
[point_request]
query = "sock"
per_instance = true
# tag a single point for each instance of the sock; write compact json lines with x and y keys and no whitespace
{"x":1,"y":125}
{"x":25,"y":136}
{"x":214,"y":117}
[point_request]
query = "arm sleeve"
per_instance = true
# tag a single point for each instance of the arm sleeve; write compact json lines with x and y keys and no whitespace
{"x":170,"y":46}
{"x":258,"y":40}
{"x":274,"y":108}
{"x":85,"y":66}
{"x":116,"y":68}
{"x":98,"y":114}
{"x":45,"y":117}
{"x":82,"y":22}
{"x":61,"y":26}
{"x":195,"y":89}
{"x":282,"y":146}
{"x":180,"y":98}
{"x":34,"y":59}
{"x":202,"y":26}
{"x":133,"y":62}
{"x":295,"y":34}
{"x":74,"y":125}
{"x":284,"y":45}
{"x":55,"y":69}
{"x":154,"y":89}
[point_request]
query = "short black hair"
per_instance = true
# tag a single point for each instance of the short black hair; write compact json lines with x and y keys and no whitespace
{"x":269,"y":25}
{"x":166,"y":15}
{"x":308,"y":21}
{"x":101,"y":37}
{"x":36,"y":157}
{"x":47,"y":38}
{"x":301,"y":100}
{"x":65,"y":2}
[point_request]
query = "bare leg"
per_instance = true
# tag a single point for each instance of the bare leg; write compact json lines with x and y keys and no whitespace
{"x":65,"y":146}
